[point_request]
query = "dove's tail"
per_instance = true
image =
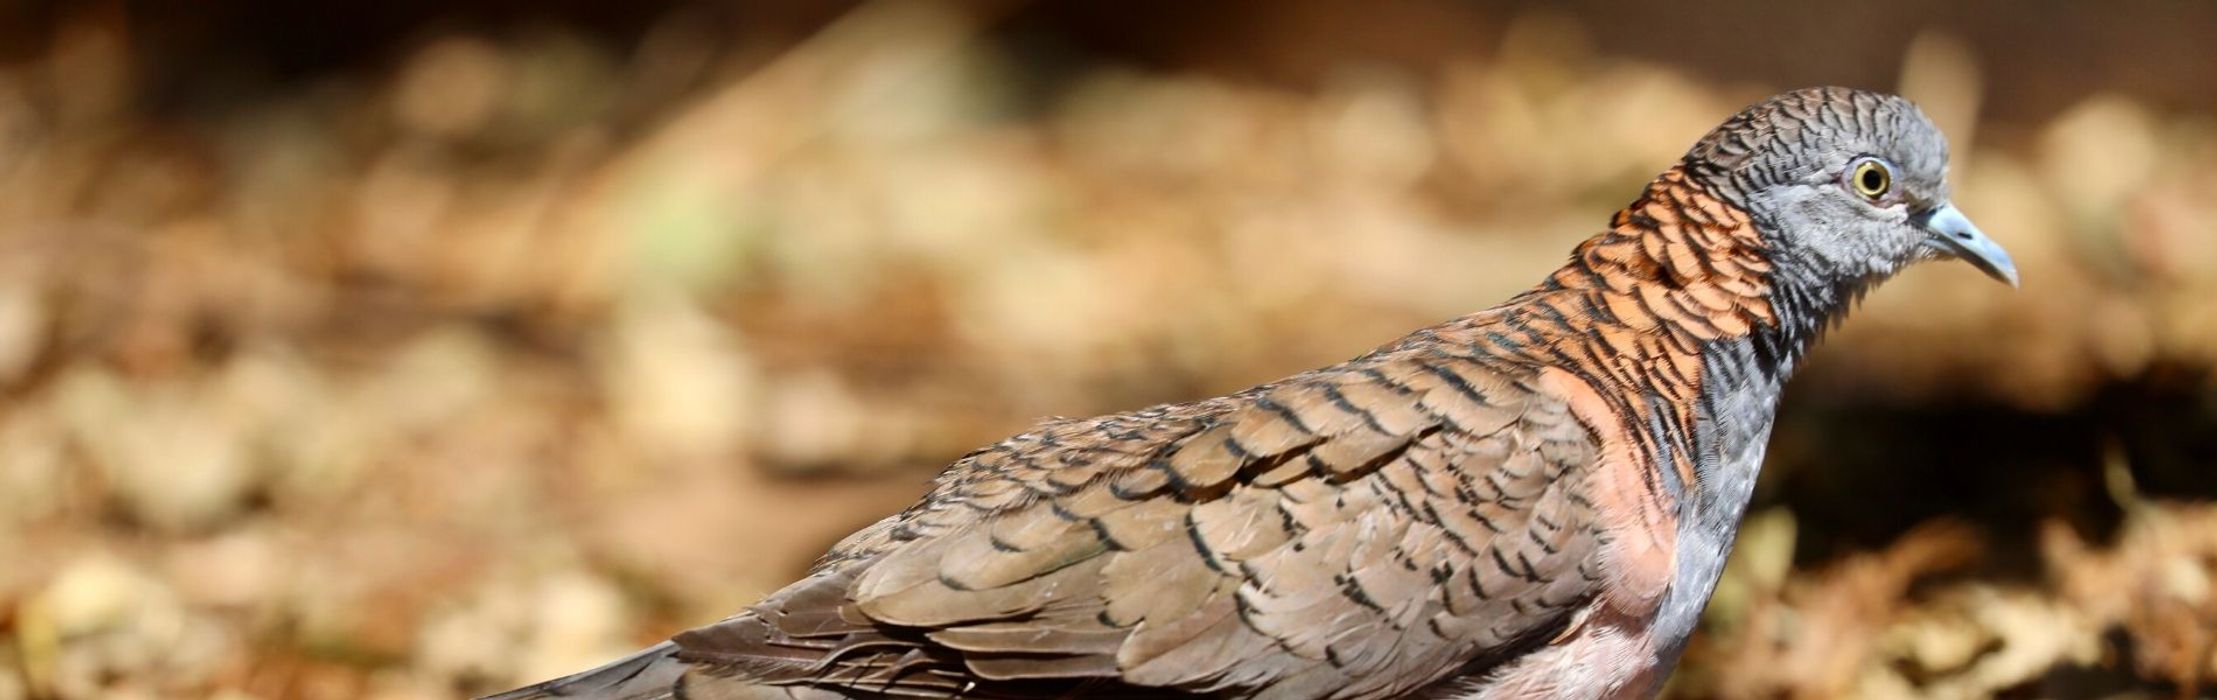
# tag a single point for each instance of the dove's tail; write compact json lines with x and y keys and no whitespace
{"x":650,"y":674}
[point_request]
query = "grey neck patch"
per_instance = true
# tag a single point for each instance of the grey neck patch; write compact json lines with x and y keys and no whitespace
{"x":1731,"y":428}
{"x":1742,"y":380}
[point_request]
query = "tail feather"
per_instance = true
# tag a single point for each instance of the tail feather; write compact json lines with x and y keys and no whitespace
{"x":650,"y":674}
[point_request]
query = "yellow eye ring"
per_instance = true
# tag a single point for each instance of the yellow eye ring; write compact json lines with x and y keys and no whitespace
{"x":1871,"y":178}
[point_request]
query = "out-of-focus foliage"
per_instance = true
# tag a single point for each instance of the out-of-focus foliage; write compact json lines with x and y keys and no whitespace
{"x":510,"y":356}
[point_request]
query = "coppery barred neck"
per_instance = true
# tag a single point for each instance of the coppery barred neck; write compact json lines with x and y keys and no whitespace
{"x":1680,"y":260}
{"x":1684,"y":276}
{"x":1681,"y":267}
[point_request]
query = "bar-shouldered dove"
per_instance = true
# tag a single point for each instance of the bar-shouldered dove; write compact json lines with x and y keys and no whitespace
{"x":1534,"y":500}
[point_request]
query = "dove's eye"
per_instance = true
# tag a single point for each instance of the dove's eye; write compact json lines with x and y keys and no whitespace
{"x":1870,"y":177}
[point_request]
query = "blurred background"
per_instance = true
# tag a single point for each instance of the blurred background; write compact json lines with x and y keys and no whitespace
{"x":417,"y":349}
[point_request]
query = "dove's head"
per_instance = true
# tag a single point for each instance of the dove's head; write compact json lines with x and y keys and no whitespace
{"x":1845,"y":184}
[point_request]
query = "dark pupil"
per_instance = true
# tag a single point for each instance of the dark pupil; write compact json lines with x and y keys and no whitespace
{"x":1873,"y":180}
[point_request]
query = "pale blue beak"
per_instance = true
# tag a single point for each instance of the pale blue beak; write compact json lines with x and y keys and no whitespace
{"x":1955,"y":236}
